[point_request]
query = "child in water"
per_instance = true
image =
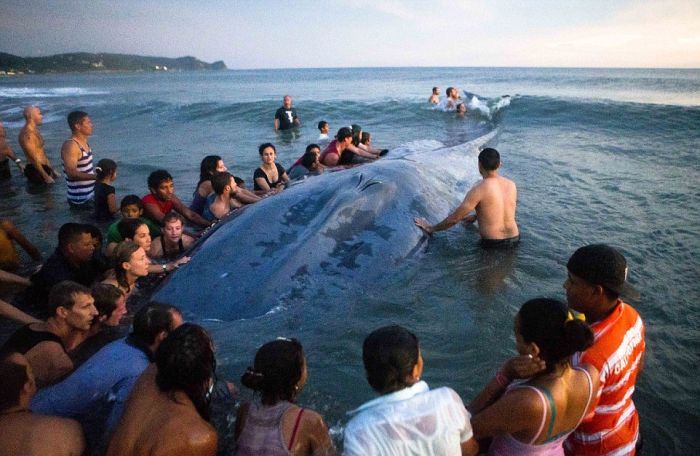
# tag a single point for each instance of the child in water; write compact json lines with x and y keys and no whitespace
{"x":105,"y":197}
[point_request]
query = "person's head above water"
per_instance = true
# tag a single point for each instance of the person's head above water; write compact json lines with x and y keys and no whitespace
{"x":546,"y":328}
{"x":131,"y":206}
{"x":279,"y":371}
{"x":287,"y":101}
{"x":185,"y":362}
{"x":220,"y":181}
{"x":489,"y":159}
{"x":75,"y":118}
{"x":161,"y":185}
{"x":210,"y":165}
{"x":343,"y":133}
{"x":392,"y":359}
{"x":448,"y":91}
{"x":436,"y":91}
{"x":323,"y":126}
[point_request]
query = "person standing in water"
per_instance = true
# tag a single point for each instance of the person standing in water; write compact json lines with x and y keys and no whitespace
{"x":38,"y":169}
{"x":77,"y":160}
{"x":493,"y":201}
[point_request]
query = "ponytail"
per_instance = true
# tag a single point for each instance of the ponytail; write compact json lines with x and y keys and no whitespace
{"x":550,"y":324}
{"x":105,"y":168}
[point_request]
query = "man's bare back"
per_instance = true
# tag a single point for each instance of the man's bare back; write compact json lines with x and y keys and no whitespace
{"x":155,"y":423}
{"x":493,"y":200}
{"x":495,"y":211}
{"x":29,"y":434}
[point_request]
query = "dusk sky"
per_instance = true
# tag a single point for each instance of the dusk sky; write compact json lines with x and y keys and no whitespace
{"x":358,"y":33}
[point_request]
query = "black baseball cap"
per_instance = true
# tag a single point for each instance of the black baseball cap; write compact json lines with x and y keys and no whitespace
{"x":602,"y":265}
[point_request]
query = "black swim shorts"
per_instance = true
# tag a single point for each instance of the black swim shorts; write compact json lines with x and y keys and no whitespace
{"x":508,"y":243}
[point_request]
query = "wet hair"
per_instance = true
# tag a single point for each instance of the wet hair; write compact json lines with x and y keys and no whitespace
{"x":435,"y":90}
{"x":356,"y":132}
{"x":389,"y":355}
{"x":157,"y":177}
{"x":365,"y":137}
{"x":546,"y":322}
{"x":489,"y":159}
{"x":208,"y":167}
{"x":71,"y":232}
{"x":322,"y":124}
{"x":185,"y":361}
{"x":308,"y":160}
{"x":172,"y":215}
{"x":63,"y":295}
{"x":75,"y":117}
{"x":122,"y":254}
{"x":276,"y":371}
{"x":14,"y":376}
{"x":127,"y":227}
{"x":105,"y":168}
{"x":153,"y":319}
{"x":131,"y":200}
{"x":311,"y":147}
{"x":106,"y":297}
{"x":448,"y":91}
{"x":264,"y":146}
{"x":343,"y":133}
{"x":219,"y":181}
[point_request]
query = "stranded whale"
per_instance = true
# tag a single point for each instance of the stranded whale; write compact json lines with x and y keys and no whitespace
{"x":342,"y":230}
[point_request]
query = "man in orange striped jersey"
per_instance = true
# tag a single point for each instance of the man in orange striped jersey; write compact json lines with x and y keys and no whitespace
{"x":596,"y":280}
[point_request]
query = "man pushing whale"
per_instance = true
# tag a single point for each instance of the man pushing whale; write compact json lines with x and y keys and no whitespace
{"x":491,"y":202}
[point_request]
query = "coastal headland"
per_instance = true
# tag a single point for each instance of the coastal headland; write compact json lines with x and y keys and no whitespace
{"x":82,"y":62}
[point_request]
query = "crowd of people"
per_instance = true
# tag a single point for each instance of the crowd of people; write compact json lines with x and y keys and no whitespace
{"x":569,"y":388}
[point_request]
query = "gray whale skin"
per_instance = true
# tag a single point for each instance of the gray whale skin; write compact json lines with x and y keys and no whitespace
{"x":342,"y":230}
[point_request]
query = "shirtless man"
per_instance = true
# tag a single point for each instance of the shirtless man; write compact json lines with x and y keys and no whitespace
{"x":452,"y":99}
{"x":23,"y":432}
{"x":46,"y":344}
{"x":38,"y":169}
{"x":225,"y":189}
{"x":435,"y":96}
{"x":5,"y":153}
{"x":168,"y":410}
{"x":77,"y":160}
{"x":493,"y":199}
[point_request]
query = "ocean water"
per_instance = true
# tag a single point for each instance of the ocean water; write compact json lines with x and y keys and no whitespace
{"x":599,"y":155}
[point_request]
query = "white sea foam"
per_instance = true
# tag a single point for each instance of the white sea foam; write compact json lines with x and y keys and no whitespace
{"x":30,"y":92}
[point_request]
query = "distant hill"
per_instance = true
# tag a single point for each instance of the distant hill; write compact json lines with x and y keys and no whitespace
{"x":83,"y":61}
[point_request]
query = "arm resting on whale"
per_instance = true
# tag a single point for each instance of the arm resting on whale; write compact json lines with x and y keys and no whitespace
{"x":461,"y":213}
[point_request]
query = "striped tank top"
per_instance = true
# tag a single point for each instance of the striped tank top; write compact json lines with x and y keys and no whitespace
{"x":81,"y":191}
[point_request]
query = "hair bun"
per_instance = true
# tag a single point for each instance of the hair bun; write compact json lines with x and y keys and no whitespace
{"x":252,"y":379}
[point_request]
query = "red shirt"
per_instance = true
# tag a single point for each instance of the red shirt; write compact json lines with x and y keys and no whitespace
{"x":617,"y":353}
{"x":164,"y":206}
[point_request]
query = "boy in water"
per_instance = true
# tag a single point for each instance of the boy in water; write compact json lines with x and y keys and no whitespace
{"x":324,"y":128}
{"x":131,"y":207}
{"x":162,"y":200}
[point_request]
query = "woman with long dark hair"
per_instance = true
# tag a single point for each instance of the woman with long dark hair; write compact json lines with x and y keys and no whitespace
{"x":130,"y":263}
{"x":534,"y":417}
